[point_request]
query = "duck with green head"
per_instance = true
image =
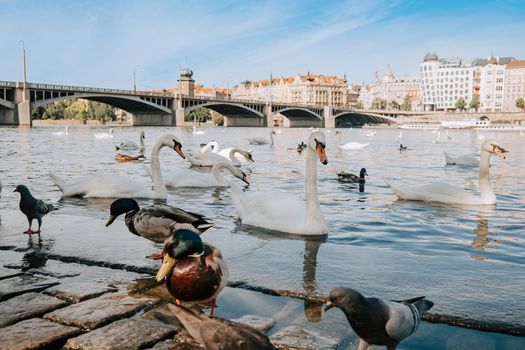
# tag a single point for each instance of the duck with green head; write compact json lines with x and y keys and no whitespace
{"x":156,"y":222}
{"x":195,"y":272}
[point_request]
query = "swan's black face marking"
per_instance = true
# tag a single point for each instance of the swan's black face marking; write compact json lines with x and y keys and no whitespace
{"x":320,"y":148}
{"x":499,"y":151}
{"x":177,"y":146}
{"x":245,"y":178}
{"x":249,"y":157}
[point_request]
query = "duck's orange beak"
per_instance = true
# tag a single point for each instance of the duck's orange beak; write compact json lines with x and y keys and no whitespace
{"x":167,"y":265}
{"x":321,"y":153}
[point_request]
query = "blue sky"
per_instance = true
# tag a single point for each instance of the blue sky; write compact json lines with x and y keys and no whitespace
{"x":100,"y":43}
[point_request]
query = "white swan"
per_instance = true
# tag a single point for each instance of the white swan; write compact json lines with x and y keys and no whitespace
{"x":286,"y":212}
{"x":373,"y":133}
{"x":464,"y":159}
{"x":446,"y":193}
{"x":191,"y":178}
{"x":225,"y":152}
{"x":262,"y":140}
{"x":209,"y":159}
{"x":60,"y":133}
{"x":349,"y":146}
{"x":104,"y":135}
{"x":128,"y":145}
{"x":197,"y":132}
{"x":400,"y":136}
{"x":110,"y":185}
{"x":212,"y":146}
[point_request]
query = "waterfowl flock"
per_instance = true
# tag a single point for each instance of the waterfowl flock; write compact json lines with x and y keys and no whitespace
{"x":195,"y":271}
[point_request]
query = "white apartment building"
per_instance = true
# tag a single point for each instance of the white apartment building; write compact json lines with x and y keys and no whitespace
{"x":488,"y":82}
{"x":390,"y":88}
{"x":443,"y":82}
{"x":514,"y":85}
{"x":320,"y":90}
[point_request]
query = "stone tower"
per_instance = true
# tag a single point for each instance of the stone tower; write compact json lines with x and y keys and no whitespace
{"x":186,"y":82}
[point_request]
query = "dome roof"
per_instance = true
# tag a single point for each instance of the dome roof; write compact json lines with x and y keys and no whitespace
{"x":430,"y":57}
{"x":186,"y":72}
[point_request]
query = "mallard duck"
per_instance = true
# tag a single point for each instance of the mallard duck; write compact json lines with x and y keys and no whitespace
{"x":217,"y":333}
{"x":122,"y":158}
{"x":352,"y":178}
{"x":155,"y":222}
{"x":195,"y":272}
{"x":402,"y":148}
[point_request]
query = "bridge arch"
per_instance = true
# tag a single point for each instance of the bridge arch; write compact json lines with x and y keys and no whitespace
{"x":357,"y":118}
{"x":228,"y":109}
{"x":128,"y":103}
{"x":299,"y":113}
{"x":7,"y":104}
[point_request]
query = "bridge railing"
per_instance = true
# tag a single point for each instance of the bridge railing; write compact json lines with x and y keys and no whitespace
{"x":7,"y":83}
{"x":92,"y":89}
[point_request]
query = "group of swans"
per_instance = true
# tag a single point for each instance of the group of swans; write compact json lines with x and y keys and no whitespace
{"x":211,"y":155}
{"x":262,"y":140}
{"x":286,"y":212}
{"x":111,"y":185}
{"x":446,"y":193}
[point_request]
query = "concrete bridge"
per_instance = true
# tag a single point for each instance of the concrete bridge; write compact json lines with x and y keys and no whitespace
{"x":17,"y":99}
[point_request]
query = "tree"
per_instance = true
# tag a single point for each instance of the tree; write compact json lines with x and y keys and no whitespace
{"x":379,"y":103}
{"x":407,"y":103}
{"x":394,"y":105}
{"x":475,"y":102}
{"x":520,"y":103}
{"x":217,"y":118}
{"x":461,"y":104}
{"x":77,"y":110}
{"x":359,"y":105}
{"x":101,"y":112}
{"x":200,"y":115}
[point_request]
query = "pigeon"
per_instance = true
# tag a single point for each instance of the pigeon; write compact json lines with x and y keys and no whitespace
{"x":32,"y":208}
{"x":378,"y":322}
{"x":220,"y":334}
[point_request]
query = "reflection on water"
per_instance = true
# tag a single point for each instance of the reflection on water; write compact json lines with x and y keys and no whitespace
{"x":312,"y":310}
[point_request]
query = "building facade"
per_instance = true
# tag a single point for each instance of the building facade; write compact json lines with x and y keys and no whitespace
{"x":489,"y":81}
{"x":319,"y":90}
{"x":514,"y":85}
{"x":391,"y":89}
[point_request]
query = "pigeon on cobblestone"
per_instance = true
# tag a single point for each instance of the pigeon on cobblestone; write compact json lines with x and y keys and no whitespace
{"x":32,"y":208}
{"x":379,"y":322}
{"x":219,"y":334}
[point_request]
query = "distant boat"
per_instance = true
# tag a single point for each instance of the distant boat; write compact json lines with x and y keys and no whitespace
{"x":419,"y":126}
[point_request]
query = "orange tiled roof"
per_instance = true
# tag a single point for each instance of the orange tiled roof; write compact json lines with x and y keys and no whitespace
{"x":516,"y":64}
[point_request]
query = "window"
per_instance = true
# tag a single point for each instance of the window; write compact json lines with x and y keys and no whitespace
{"x":499,"y":88}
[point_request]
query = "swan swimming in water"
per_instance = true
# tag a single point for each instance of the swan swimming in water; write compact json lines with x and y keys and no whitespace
{"x":262,"y":140}
{"x":60,"y":133}
{"x":192,"y":178}
{"x":114,"y":186}
{"x":104,"y":135}
{"x":197,"y":132}
{"x":128,"y":145}
{"x":209,"y":159}
{"x":286,"y":212}
{"x":349,"y":146}
{"x":446,"y":193}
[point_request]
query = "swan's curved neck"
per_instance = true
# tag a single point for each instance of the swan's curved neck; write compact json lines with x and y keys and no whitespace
{"x":313,"y":208}
{"x":159,"y":188}
{"x":217,"y":174}
{"x":141,"y":140}
{"x":271,"y":138}
{"x":485,"y":189}
{"x":233,"y":158}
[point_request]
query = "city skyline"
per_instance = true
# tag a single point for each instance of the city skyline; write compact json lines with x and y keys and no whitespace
{"x":104,"y":43}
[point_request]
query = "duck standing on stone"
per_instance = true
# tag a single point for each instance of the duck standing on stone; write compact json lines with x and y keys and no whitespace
{"x":32,"y":208}
{"x":352,"y":178}
{"x":378,"y":322}
{"x":217,"y":333}
{"x":195,"y":272}
{"x":156,"y":222}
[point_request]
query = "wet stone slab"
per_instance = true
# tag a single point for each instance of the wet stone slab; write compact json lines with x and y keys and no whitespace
{"x":8,"y":273}
{"x":100,"y":311}
{"x":124,"y":334}
{"x":182,"y":341}
{"x":35,"y":334}
{"x":14,"y":286}
{"x":301,"y":338}
{"x":262,"y":324}
{"x":27,"y":305}
{"x":77,"y":291}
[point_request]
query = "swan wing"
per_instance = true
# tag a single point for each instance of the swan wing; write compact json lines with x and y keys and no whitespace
{"x":102,"y":186}
{"x":434,"y":192}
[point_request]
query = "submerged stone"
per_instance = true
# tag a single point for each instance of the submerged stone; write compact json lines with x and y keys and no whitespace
{"x":100,"y":311}
{"x":77,"y":291}
{"x":260,"y":323}
{"x":35,"y":333}
{"x":299,"y":337}
{"x":124,"y":334}
{"x":14,"y":286}
{"x":27,"y":306}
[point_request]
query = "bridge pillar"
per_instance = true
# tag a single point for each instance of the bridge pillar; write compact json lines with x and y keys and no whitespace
{"x":180,"y":113}
{"x":23,"y":107}
{"x":267,"y":111}
{"x":329,"y":119}
{"x":244,"y":121}
{"x":152,"y":119}
{"x":7,"y":117}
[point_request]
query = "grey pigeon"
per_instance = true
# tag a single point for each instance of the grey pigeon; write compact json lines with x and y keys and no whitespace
{"x":379,"y":322}
{"x":33,"y":208}
{"x":219,"y":334}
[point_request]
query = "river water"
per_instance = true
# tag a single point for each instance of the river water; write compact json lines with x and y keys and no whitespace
{"x":468,"y":260}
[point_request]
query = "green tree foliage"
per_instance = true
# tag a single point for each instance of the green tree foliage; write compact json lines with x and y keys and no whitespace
{"x":461,"y":104}
{"x":394,"y":105}
{"x":101,"y":112}
{"x":520,"y":103}
{"x":407,"y":103}
{"x":379,"y":103}
{"x":200,"y":115}
{"x":359,"y":105}
{"x":217,"y":118}
{"x":77,"y":110}
{"x":475,"y":102}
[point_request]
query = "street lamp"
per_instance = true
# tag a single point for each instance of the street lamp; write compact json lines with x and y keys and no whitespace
{"x":25,"y":70}
{"x":135,"y":78}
